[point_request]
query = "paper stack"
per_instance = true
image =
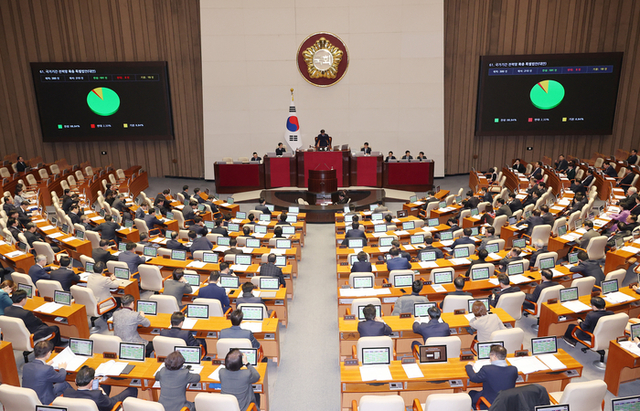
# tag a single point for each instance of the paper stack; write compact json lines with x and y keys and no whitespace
{"x":111,"y":368}
{"x":67,"y":356}
{"x":375,"y":373}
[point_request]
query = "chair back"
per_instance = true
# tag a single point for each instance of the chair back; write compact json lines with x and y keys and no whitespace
{"x":46,"y":288}
{"x":14,"y":331}
{"x":141,"y":225}
{"x":216,"y":402}
{"x":105,"y":343}
{"x":215,"y":307}
{"x":15,"y":398}
{"x":548,"y":254}
{"x":431,"y":206}
{"x":450,"y":402}
{"x":111,"y":265}
{"x":94,"y":237}
{"x":571,"y":224}
{"x":470,"y":247}
{"x":213,"y":237}
{"x":179,"y":217}
{"x":585,"y":395}
{"x":455,"y":302}
{"x":120,"y":174}
{"x":617,"y":275}
{"x":458,"y":233}
{"x":464,"y":213}
{"x":547,"y":294}
{"x":224,"y":345}
{"x":167,"y":304}
{"x":584,"y":284}
{"x":137,"y":404}
{"x":541,"y":232}
{"x":373,"y":342}
{"x":362,"y":302}
{"x":394,"y":273}
{"x":381,"y":403}
{"x":21,"y":278}
{"x":609,"y":328}
{"x":45,"y":249}
{"x":517,"y":214}
{"x":164,"y":346}
{"x":558,"y":223}
{"x":85,"y":296}
{"x":256,"y":214}
{"x":162,"y":252}
{"x":452,"y":342}
{"x":150,"y":277}
{"x":512,"y":304}
{"x":363,"y":274}
{"x":75,"y":404}
{"x":498,"y":222}
{"x":512,"y":338}
{"x":85,"y":259}
{"x":596,"y":247}
{"x":43,"y":174}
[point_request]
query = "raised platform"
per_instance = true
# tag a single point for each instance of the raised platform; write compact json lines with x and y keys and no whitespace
{"x":316,"y":213}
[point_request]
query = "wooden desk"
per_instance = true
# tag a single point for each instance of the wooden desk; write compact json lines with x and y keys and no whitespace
{"x":410,"y":176}
{"x":8,"y":368}
{"x":436,"y":380}
{"x":74,"y":246}
{"x":209,"y":329}
{"x":20,"y":263}
{"x":75,"y":314}
{"x":234,"y":178}
{"x":622,"y":366}
{"x":477,"y":181}
{"x":551,"y":324}
{"x":443,"y":216}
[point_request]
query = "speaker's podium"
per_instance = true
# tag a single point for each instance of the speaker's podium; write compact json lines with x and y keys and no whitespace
{"x":323,"y":182}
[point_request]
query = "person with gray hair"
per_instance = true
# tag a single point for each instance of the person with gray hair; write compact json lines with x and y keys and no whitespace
{"x":126,"y":321}
{"x":38,"y":271}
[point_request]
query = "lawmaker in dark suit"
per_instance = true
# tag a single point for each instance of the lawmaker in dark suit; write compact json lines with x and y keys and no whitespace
{"x":365,"y":148}
{"x":199,"y":243}
{"x":213,"y":290}
{"x":42,"y":377}
{"x":84,"y":382}
{"x":142,"y":211}
{"x":280,"y":150}
{"x":627,"y":179}
{"x":465,"y":239}
{"x":571,"y":172}
{"x":503,"y":209}
{"x":589,"y":323}
{"x":537,"y":172}
{"x":189,"y":210}
{"x":505,"y":288}
{"x":38,"y":271}
{"x":323,"y":141}
{"x":219,"y":229}
{"x":263,"y":206}
{"x":109,"y":228}
{"x":633,"y":157}
{"x":512,"y":255}
{"x":517,"y":166}
{"x":355,"y":232}
{"x":540,"y":248}
{"x":433,"y":328}
{"x":23,"y":215}
{"x":609,"y":170}
{"x":547,"y":281}
{"x":532,"y":221}
{"x":390,"y":157}
{"x":458,"y":283}
{"x":428,"y":241}
{"x":269,"y":269}
{"x":362,"y":265}
{"x":102,"y":253}
{"x":32,"y":235}
{"x":64,"y":275}
{"x":495,"y":377}
{"x":132,"y":259}
{"x":35,"y":325}
{"x":21,"y":165}
{"x":236,"y":332}
{"x":174,"y":244}
{"x":176,"y":331}
{"x":561,"y":164}
{"x":514,"y":203}
{"x":581,"y":187}
{"x":372,"y":326}
{"x":247,"y":296}
{"x":396,"y":262}
{"x":152,"y":221}
{"x":588,"y":268}
{"x":198,"y":227}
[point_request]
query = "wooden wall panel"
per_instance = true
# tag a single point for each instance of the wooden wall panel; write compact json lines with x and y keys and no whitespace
{"x":98,"y":30}
{"x":484,"y":27}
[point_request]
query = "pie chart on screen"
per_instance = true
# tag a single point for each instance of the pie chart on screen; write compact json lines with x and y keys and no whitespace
{"x":103,"y":101}
{"x":547,"y":94}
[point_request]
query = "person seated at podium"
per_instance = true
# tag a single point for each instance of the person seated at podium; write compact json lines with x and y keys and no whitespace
{"x":84,"y":381}
{"x":465,"y":239}
{"x":588,"y":268}
{"x":362,"y":265}
{"x":495,"y":377}
{"x":199,"y":243}
{"x":589,"y":323}
{"x":323,"y":141}
{"x":519,"y":167}
{"x":280,"y":150}
{"x":355,"y":232}
{"x":372,"y":326}
{"x":407,"y":156}
{"x":421,"y":156}
{"x":262,"y":206}
{"x":255,"y":157}
{"x":390,"y":157}
{"x":405,"y":303}
{"x":397,"y":262}
{"x":219,"y":229}
{"x":366,"y":149}
{"x":547,"y":281}
{"x":432,"y":328}
{"x":609,"y":170}
{"x":561,"y":164}
{"x":282,"y":220}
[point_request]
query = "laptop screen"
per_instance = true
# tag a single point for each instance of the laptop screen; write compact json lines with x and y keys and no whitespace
{"x":80,"y":234}
{"x":180,"y":255}
{"x":241,"y":215}
{"x":461,"y":252}
{"x":481,"y":273}
{"x":209,"y":224}
{"x":413,"y":199}
{"x":512,"y":220}
{"x":568,"y":294}
{"x":376,"y":217}
{"x":362,"y":282}
{"x":348,"y":218}
{"x":573,"y":258}
{"x":547,"y":263}
{"x":191,"y":355}
{"x":132,"y":351}
{"x":230,"y":200}
{"x":209,"y":257}
{"x":252,"y":313}
{"x":50,"y":408}
{"x":121,"y":273}
{"x":556,"y":407}
{"x":515,"y":268}
{"x":417,"y":239}
{"x":294,"y":209}
{"x":626,"y":403}
{"x":269,"y":283}
{"x":27,"y":288}
{"x":149,"y":251}
{"x":446,"y":235}
{"x":233,"y":227}
{"x":403,"y":280}
{"x":169,"y":216}
{"x":433,"y":222}
{"x":122,"y":247}
{"x":610,"y":286}
{"x":422,"y":309}
{"x":270,"y":207}
{"x":361,"y":311}
{"x":408,"y":225}
{"x":243,"y":259}
{"x":577,"y":224}
{"x":80,"y":346}
{"x":484,"y":301}
{"x":474,"y":211}
{"x":198,"y":311}
{"x":89,"y":267}
{"x":635,"y":331}
{"x":224,"y":241}
{"x":288,"y":230}
{"x":148,"y":307}
{"x":484,"y":348}
{"x":229,"y":281}
{"x":442,"y":204}
{"x":527,"y":214}
{"x":492,"y":248}
{"x":62,"y":297}
{"x":192,"y":279}
{"x":433,"y":353}
{"x":253,"y":243}
{"x":562,"y":230}
{"x":356,"y":242}
{"x":376,"y":356}
{"x":442,"y":277}
{"x":544,"y":345}
{"x":251,"y":353}
{"x":373,"y":207}
{"x":475,"y":230}
{"x":291,"y":218}
{"x":428,"y":256}
{"x":385,"y":241}
{"x":285,"y":244}
{"x":519,"y":242}
{"x":264,"y":217}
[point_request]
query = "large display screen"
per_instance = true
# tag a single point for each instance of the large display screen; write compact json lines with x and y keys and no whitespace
{"x":103,"y":101}
{"x":550,"y":94}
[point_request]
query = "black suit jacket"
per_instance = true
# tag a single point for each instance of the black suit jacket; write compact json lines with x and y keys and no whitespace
{"x":548,"y":218}
{"x":104,"y":402}
{"x":366,"y":150}
{"x":494,"y":379}
{"x":361,"y":267}
{"x":23,"y":217}
{"x":611,"y":172}
{"x":98,"y":254}
{"x":32,"y":322}
{"x":188,"y":213}
{"x":493,"y":299}
{"x":519,"y":168}
{"x":589,"y":268}
{"x":590,"y":322}
{"x":65,"y":277}
{"x":108,"y":230}
{"x":516,"y":205}
{"x":562,"y":165}
{"x":439,"y":253}
{"x":373,"y":328}
{"x":202,"y":230}
{"x":31,"y":237}
{"x":175,"y":245}
{"x":177,"y":332}
{"x":534,"y":256}
{"x":220,"y":230}
{"x":264,"y":209}
{"x":537,"y":173}
{"x":536,"y":292}
{"x":75,"y":218}
{"x":433,"y":328}
{"x":627,"y":180}
{"x":271,"y":270}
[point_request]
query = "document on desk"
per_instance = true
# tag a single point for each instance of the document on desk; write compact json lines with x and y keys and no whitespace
{"x":557,"y":273}
{"x":14,"y":254}
{"x":253,"y":326}
{"x":196,"y":264}
{"x":631,"y":347}
{"x":246,"y":250}
{"x":48,"y":308}
{"x":220,"y":249}
{"x":493,"y":281}
{"x":67,"y":356}
{"x":564,"y":202}
{"x":631,"y":249}
{"x":374,"y":268}
{"x":409,"y":247}
{"x":460,"y":261}
{"x":576,"y":306}
{"x":480,"y":363}
{"x":49,"y":227}
{"x":189,"y":323}
{"x":428,"y":264}
{"x":469,"y":316}
{"x":438,"y":288}
{"x":278,"y":251}
{"x":111,"y":368}
{"x":519,"y":278}
{"x":379,"y":234}
{"x":617,"y":298}
{"x":401,"y":232}
{"x":384,"y":249}
{"x":413,"y":371}
{"x":240,"y":268}
{"x":96,"y":218}
{"x":55,"y":235}
{"x":428,"y":229}
{"x":375,"y":373}
{"x":527,"y":365}
{"x":446,"y":243}
{"x":494,"y":256}
{"x":556,"y":208}
{"x":215,"y":375}
{"x":551,"y":361}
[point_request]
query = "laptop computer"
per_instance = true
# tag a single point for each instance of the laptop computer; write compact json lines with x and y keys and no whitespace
{"x":362,"y":282}
{"x":461,"y":252}
{"x":562,"y":230}
{"x":264,"y":217}
{"x":80,"y":235}
{"x":403,"y":280}
{"x":233,"y":227}
{"x":515,"y":268}
{"x":147,"y":307}
{"x":442,"y":277}
{"x":179,"y":255}
{"x":573,"y":258}
{"x":355,"y":242}
{"x":286,"y":244}
{"x":50,"y":408}
{"x":224,"y":241}
{"x":475,"y":212}
{"x":481,"y":273}
{"x":80,"y":346}
{"x":251,"y":313}
{"x":122,"y":247}
{"x":376,"y":217}
{"x":292,"y":218}
{"x":241,"y":215}
{"x":288,"y":230}
{"x":432,"y":353}
{"x":519,"y":242}
{"x":229,"y":281}
{"x":192,"y":279}
{"x":230,"y":200}
{"x":442,"y":204}
{"x":170,"y":215}
{"x":281,"y":261}
{"x":547,"y":263}
{"x":121,"y":273}
{"x":610,"y":286}
{"x":62,"y":297}
{"x":428,"y":256}
{"x":413,"y":199}
{"x":209,"y":224}
{"x":446,"y":235}
{"x":243,"y":259}
{"x":28,"y":288}
{"x":422,"y":309}
{"x":475,"y":231}
{"x":271,"y":207}
{"x":253,"y":243}
{"x":492,"y":248}
{"x":149,"y":251}
{"x":417,"y":239}
{"x":376,"y":356}
{"x":88,"y":268}
{"x":361,"y":312}
{"x":294,"y":210}
{"x":568,"y":294}
{"x":484,"y":301}
{"x":544,"y":345}
{"x":373,"y":207}
{"x":251,"y":353}
{"x":408,"y":225}
{"x":200,"y":311}
{"x":131,"y":351}
{"x":191,"y":355}
{"x":348,"y":218}
{"x":555,"y":407}
{"x":635,"y":331}
{"x":433,"y":222}
{"x":209,"y":258}
{"x":128,"y":224}
{"x":512,"y":220}
{"x":484,"y":348}
{"x":269,"y":283}
{"x":631,"y":403}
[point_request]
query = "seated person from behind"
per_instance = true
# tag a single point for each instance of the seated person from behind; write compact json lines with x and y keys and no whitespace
{"x":85,"y":379}
{"x":270,"y":269}
{"x":547,"y":281}
{"x":483,"y":322}
{"x":482,"y":259}
{"x":233,"y":242}
{"x":176,"y":331}
{"x":38,"y":271}
{"x":505,"y":288}
{"x":174,"y":380}
{"x":213,"y":290}
{"x":132,"y":259}
{"x":589,"y":323}
{"x":65,"y":276}
{"x":262,"y":206}
{"x":372,"y":326}
{"x":282,"y":220}
{"x":99,"y":284}
{"x":390,"y":157}
{"x":365,"y":148}
{"x":588,"y":268}
{"x":323,"y":141}
{"x":247,"y":295}
{"x":404,"y":254}
{"x":126,"y":321}
{"x":540,"y":247}
{"x":495,"y":377}
{"x":512,"y":255}
{"x":355,"y":232}
{"x":458,"y":283}
{"x":465,"y":239}
{"x":488,"y":234}
{"x":174,"y":244}
{"x":199,"y":243}
{"x":397,"y":262}
{"x":108,"y":229}
{"x":238,"y":382}
{"x":280,"y":150}
{"x":190,"y":211}
{"x":219,"y":229}
{"x":177,"y":286}
{"x":432,"y":328}
{"x":102,"y":253}
{"x":362,"y":265}
{"x":421,"y":156}
{"x":235,"y":331}
{"x":405,"y":303}
{"x":41,"y":377}
{"x":198,"y":226}
{"x":255,"y":157}
{"x":428,"y":241}
{"x":34,"y":324}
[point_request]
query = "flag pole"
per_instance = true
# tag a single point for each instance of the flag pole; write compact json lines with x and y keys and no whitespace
{"x":291,"y":94}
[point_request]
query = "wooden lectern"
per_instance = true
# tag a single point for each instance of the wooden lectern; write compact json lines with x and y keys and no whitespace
{"x":323,"y":181}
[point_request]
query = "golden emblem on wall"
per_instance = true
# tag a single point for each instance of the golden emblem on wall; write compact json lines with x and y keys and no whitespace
{"x":323,"y":59}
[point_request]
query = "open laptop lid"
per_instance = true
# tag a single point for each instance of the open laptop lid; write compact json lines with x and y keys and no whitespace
{"x":442,"y":277}
{"x":200,"y":311}
{"x":376,"y":356}
{"x":568,"y":294}
{"x":191,"y":355}
{"x":544,"y":345}
{"x":631,"y":403}
{"x":81,"y":346}
{"x":422,"y":309}
{"x":251,"y":313}
{"x":555,"y":407}
{"x":131,"y":351}
{"x":147,"y":307}
{"x":484,"y":348}
{"x":610,"y":286}
{"x":432,"y":353}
